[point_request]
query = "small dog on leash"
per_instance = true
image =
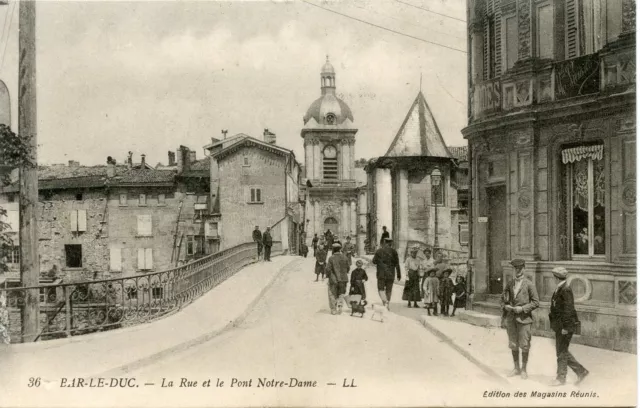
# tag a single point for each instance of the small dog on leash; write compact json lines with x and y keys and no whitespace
{"x":358,"y":307}
{"x":379,"y":310}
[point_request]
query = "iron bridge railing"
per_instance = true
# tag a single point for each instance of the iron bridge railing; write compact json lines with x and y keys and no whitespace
{"x":72,"y":309}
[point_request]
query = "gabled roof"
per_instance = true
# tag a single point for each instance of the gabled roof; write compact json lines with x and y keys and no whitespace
{"x":244,"y":140}
{"x":419,"y":134}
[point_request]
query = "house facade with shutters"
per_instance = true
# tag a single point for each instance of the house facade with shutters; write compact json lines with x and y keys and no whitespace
{"x":114,"y":220}
{"x":254,"y":183}
{"x":552,"y":142}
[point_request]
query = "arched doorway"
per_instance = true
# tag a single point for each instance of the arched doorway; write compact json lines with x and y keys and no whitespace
{"x":332,"y":224}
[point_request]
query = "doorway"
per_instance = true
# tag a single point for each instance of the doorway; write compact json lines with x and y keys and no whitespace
{"x":497,"y":243}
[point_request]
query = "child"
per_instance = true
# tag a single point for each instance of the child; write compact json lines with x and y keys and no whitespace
{"x":358,"y":277}
{"x":460,"y":290}
{"x":446,"y":291}
{"x":431,"y":288}
{"x":321,"y":260}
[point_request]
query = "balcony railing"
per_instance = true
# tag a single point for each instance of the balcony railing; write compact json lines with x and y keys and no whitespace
{"x":72,"y":309}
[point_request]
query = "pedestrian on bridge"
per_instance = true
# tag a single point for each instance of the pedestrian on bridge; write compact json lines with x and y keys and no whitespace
{"x":257,"y":238}
{"x":387,"y":263}
{"x":338,"y":273}
{"x":267,"y":241}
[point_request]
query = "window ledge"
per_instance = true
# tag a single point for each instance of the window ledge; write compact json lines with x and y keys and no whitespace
{"x":123,"y":205}
{"x":255,"y":202}
{"x":144,"y":236}
{"x":143,"y":205}
{"x":72,"y":269}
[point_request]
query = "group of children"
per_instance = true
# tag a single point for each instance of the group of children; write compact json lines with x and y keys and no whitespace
{"x":433,"y":281}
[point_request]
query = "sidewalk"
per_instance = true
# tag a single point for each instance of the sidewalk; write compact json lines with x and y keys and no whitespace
{"x":611,"y":372}
{"x":115,"y":352}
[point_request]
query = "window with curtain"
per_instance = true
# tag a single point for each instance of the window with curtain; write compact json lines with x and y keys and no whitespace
{"x":590,"y":24}
{"x":586,"y":199}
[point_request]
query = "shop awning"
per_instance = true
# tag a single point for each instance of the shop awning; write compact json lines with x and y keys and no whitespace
{"x":574,"y":154}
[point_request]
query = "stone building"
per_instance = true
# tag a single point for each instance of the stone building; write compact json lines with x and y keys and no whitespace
{"x":402,"y":194}
{"x":254,"y":182}
{"x":113,"y":220}
{"x":334,"y":200}
{"x":552,"y":141}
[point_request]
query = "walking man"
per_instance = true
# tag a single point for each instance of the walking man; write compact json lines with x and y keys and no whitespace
{"x":257,"y":238}
{"x":519,"y":299}
{"x":314,"y":242}
{"x":267,"y":241}
{"x":387,"y":263}
{"x":338,"y":273}
{"x":564,"y":321}
{"x":384,"y":237}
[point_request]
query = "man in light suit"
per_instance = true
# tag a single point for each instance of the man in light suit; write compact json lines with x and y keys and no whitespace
{"x":564,"y":320}
{"x":519,"y":299}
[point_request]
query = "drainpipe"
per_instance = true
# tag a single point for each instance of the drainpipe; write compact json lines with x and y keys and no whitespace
{"x":470,"y":271}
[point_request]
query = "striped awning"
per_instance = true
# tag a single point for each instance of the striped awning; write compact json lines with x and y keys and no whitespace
{"x":574,"y":154}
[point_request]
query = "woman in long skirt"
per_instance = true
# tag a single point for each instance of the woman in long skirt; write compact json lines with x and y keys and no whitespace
{"x":321,"y":261}
{"x":411,"y":291}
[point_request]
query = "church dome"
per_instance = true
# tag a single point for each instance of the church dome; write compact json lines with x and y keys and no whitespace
{"x":328,"y":109}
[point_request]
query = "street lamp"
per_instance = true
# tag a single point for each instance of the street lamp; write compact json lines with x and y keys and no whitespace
{"x":436,"y":177}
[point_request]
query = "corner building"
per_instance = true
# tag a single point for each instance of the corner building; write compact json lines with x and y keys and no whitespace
{"x":333,"y":199}
{"x":552,"y":143}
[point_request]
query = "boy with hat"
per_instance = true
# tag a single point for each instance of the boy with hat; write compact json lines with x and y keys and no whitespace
{"x":519,"y":299}
{"x":564,"y":320}
{"x":338,"y":272}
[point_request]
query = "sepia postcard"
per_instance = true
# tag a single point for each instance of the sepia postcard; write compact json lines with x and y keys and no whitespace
{"x":318,"y":203}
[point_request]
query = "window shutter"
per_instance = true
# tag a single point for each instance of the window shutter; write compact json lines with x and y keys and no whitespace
{"x":498,"y":40}
{"x":258,"y":194}
{"x":464,"y":233}
{"x":73,"y":217}
{"x":571,"y":25}
{"x":82,"y":220}
{"x":115,"y":259}
{"x":148,"y":258}
{"x":253,"y":195}
{"x":141,"y":258}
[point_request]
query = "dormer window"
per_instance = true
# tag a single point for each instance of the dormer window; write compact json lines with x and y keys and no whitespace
{"x":331,"y":119}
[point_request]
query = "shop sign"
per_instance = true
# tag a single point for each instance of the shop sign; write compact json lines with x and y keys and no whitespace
{"x":577,"y":77}
{"x":486,"y":97}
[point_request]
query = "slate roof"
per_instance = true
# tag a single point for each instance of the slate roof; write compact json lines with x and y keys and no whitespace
{"x":419,"y":134}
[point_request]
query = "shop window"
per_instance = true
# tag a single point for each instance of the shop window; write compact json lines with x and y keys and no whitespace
{"x":586,"y":204}
{"x":73,"y":256}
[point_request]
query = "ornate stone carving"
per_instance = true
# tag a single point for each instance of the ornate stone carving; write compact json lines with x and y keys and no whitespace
{"x":628,"y":16}
{"x":524,"y":201}
{"x":576,"y":131}
{"x":524,"y":29}
{"x":523,"y":138}
{"x":330,"y":210}
{"x":629,"y":194}
{"x":627,"y":292}
{"x":523,"y":93}
{"x":627,"y":125}
{"x":581,"y":288}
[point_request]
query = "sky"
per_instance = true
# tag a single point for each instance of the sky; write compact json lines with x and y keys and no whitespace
{"x":149,"y":76}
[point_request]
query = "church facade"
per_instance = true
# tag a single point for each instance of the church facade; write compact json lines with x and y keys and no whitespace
{"x":333,"y":200}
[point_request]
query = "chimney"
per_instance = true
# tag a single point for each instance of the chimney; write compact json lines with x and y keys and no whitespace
{"x":111,"y":167}
{"x":143,"y":162}
{"x":74,"y":164}
{"x":172,"y":158}
{"x":130,"y":160}
{"x":192,"y":156}
{"x":183,"y":159}
{"x":224,"y":134}
{"x":269,"y":137}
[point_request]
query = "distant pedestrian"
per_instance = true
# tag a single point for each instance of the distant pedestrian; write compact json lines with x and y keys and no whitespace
{"x":412,"y":266}
{"x":321,"y":260}
{"x":328,"y":237}
{"x":387,"y":264}
{"x":267,"y":241}
{"x":519,"y":299}
{"x":338,"y":274}
{"x":304,"y":249}
{"x":257,"y":238}
{"x":427,"y":265}
{"x":384,"y":237}
{"x":314,"y":243}
{"x":358,"y":278}
{"x":446,"y":292}
{"x":349,"y":250}
{"x":431,"y":288}
{"x":564,"y":322}
{"x":460,"y":290}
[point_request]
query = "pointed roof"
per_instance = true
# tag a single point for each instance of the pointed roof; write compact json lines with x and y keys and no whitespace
{"x":419,"y":134}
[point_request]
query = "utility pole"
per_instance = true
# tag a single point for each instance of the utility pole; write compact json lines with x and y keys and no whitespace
{"x":27,"y":119}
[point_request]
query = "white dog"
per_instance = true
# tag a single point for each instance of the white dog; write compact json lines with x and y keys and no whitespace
{"x":379,"y":310}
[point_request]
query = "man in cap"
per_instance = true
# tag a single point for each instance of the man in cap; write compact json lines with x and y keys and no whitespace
{"x":519,"y":299}
{"x":349,"y":249}
{"x":338,"y":272}
{"x":267,"y":241}
{"x":564,"y":321}
{"x":257,"y":238}
{"x":387,"y":262}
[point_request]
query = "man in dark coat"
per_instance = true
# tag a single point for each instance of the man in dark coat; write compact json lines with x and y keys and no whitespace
{"x":384,"y":237}
{"x":267,"y":241}
{"x":519,"y":299}
{"x":314,"y":242}
{"x":338,"y":273}
{"x":321,"y":261}
{"x":387,"y":264}
{"x":257,"y":238}
{"x":564,"y":321}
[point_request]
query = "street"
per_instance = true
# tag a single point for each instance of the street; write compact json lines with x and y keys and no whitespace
{"x":291,"y":334}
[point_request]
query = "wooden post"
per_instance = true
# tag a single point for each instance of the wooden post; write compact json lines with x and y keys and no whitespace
{"x":27,"y":119}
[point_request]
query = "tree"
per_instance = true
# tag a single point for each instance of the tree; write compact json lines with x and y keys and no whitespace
{"x":15,"y":152}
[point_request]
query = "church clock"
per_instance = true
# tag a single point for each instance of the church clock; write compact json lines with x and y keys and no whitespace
{"x":330,"y":152}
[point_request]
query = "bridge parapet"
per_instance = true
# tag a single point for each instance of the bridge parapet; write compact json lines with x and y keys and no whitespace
{"x":72,"y":309}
